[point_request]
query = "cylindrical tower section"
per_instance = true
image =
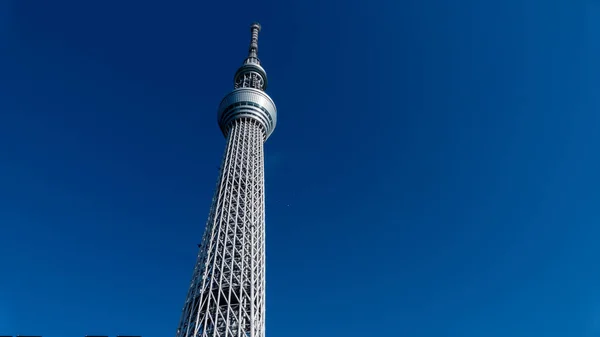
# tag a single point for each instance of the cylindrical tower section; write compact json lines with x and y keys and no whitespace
{"x":248,"y":103}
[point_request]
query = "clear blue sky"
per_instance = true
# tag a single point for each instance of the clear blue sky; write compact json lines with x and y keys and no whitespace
{"x":434,"y":171}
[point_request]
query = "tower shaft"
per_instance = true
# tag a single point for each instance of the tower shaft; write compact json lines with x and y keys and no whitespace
{"x":227,"y":293}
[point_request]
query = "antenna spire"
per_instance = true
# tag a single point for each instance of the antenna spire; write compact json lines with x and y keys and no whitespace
{"x":253,"y":50}
{"x":251,"y":74}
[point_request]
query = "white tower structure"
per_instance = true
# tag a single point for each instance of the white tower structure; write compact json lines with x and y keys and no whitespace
{"x":226,"y":297}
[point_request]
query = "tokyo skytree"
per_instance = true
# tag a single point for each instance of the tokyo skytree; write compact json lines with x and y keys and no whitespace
{"x":226,"y":297}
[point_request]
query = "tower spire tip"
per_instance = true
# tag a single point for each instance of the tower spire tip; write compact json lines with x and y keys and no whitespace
{"x":255,"y":25}
{"x":253,"y":50}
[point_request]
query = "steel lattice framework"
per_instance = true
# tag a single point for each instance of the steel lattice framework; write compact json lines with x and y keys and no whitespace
{"x":226,"y":297}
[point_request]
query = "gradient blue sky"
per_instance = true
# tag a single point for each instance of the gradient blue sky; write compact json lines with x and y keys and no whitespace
{"x":434,"y":171}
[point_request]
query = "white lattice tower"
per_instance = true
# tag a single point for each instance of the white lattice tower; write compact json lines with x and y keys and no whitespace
{"x":226,"y":297}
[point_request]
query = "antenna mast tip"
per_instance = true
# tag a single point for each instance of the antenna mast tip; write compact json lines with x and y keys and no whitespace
{"x":255,"y":25}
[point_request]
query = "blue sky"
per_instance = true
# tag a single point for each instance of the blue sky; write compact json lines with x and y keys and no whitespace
{"x":434,"y":171}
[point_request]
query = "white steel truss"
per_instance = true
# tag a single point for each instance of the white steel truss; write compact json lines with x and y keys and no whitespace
{"x":227,"y":292}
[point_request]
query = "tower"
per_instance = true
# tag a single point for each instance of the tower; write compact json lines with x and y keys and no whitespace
{"x":226,"y":297}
